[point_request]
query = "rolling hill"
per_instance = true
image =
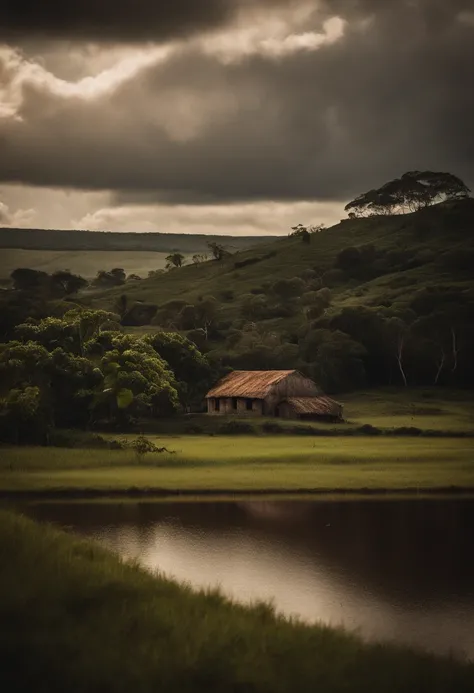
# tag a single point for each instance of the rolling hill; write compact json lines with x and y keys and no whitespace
{"x":430,"y":248}
{"x":383,"y":300}
{"x":378,"y":301}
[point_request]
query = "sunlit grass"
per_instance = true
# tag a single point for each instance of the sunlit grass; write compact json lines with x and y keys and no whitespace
{"x":425,"y":408}
{"x":79,"y":619}
{"x":248,"y":463}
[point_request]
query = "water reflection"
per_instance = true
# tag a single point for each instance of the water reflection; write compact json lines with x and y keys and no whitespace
{"x":392,"y":569}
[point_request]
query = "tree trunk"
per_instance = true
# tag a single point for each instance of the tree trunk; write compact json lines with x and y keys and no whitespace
{"x":440,"y":366}
{"x":400,"y":345}
{"x":455,"y":350}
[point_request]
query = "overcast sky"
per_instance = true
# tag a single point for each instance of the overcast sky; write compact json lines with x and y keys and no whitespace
{"x":225,"y":116}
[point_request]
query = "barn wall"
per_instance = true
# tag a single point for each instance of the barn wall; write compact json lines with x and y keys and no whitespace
{"x":294,"y":385}
{"x":210,"y":406}
{"x":226,"y":407}
{"x":286,"y":412}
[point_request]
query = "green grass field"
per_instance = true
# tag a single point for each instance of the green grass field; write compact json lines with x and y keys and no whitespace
{"x":247,"y":463}
{"x":84,"y":262}
{"x":435,"y":409}
{"x":425,"y":408}
{"x":79,"y":619}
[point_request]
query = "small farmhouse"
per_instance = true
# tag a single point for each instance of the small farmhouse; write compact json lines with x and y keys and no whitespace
{"x":287,"y":394}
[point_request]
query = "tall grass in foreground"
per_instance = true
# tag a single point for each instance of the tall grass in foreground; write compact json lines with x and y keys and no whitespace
{"x":75,"y":618}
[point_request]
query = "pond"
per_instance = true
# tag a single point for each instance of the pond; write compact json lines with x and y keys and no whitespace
{"x":391,"y":569}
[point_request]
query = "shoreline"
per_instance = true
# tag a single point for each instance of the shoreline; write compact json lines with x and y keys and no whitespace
{"x":124,"y":624}
{"x":160,"y":493}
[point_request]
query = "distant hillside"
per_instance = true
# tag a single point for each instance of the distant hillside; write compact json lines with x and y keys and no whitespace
{"x":361,"y":302}
{"x":46,"y":239}
{"x":432,"y":246}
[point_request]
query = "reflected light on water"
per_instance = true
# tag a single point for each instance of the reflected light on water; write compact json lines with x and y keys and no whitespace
{"x":341,"y":563}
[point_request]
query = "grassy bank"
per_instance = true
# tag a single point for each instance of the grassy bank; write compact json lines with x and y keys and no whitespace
{"x":247,"y":463}
{"x":81,"y":620}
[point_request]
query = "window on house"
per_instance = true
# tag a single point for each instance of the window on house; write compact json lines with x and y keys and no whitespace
{"x":248,"y":405}
{"x":234,"y":402}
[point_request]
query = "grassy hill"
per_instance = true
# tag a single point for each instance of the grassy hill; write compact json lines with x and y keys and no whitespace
{"x":340,"y":307}
{"x":433,"y":247}
{"x":380,"y":301}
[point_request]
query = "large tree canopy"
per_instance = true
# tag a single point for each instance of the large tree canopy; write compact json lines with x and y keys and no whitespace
{"x":81,"y":370}
{"x":413,"y":191}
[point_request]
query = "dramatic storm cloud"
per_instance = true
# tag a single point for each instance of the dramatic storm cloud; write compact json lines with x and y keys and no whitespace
{"x":251,"y":114}
{"x":112,"y":20}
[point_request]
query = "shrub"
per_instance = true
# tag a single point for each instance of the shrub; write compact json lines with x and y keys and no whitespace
{"x":193,"y":429}
{"x":308,"y":274}
{"x":256,"y":308}
{"x":309,"y":298}
{"x":245,"y":263}
{"x":407,"y":431}
{"x":334,"y":277}
{"x":289,"y":288}
{"x":302,"y":430}
{"x":142,"y":446}
{"x":315,"y":311}
{"x":227,"y":295}
{"x":324,"y":295}
{"x":167,"y":314}
{"x":272,"y":427}
{"x":65,"y":438}
{"x":348,"y":258}
{"x":236,"y":427}
{"x":253,"y":260}
{"x":368,"y":430}
{"x":139,"y":314}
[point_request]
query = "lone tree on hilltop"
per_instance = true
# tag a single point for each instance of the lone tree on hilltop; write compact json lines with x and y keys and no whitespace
{"x":410,"y":193}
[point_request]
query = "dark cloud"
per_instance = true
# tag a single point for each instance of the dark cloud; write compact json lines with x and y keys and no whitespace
{"x":111,"y":20}
{"x":393,"y":94}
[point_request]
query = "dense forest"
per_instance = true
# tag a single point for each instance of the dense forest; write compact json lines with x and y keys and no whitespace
{"x":387,"y":299}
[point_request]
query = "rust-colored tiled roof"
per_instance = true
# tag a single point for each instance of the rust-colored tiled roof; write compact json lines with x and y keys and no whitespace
{"x":322,"y":406}
{"x":247,"y":383}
